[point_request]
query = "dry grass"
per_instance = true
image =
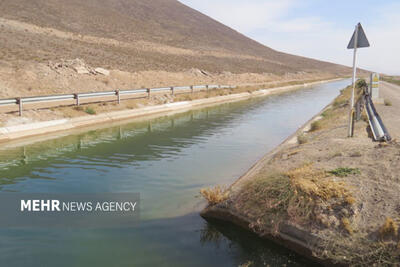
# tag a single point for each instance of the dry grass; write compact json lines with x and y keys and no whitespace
{"x":293,"y":195}
{"x":335,"y":114}
{"x":214,"y":195}
{"x":347,"y":226}
{"x":359,"y":251}
{"x":350,"y":200}
{"x":313,"y":183}
{"x":389,"y":228}
{"x":387,"y":102}
{"x":246,"y":264}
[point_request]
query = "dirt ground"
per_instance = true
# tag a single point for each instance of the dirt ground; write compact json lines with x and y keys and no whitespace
{"x":35,"y":79}
{"x":389,"y":112}
{"x":343,"y":192}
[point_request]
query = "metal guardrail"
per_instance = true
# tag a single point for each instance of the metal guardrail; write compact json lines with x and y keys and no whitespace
{"x":117,"y":93}
{"x":378,"y":129}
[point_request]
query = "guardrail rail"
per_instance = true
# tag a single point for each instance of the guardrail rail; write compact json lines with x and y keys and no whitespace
{"x":20,"y":101}
{"x":379,"y":131}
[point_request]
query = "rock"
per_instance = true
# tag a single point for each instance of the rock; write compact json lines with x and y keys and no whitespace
{"x":198,"y":72}
{"x":102,"y":71}
{"x":76,"y":64}
{"x":81,"y":70}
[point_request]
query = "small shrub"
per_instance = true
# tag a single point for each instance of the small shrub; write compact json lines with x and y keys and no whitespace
{"x":343,"y":172}
{"x":347,"y":226}
{"x":337,"y":154}
{"x":361,"y":83}
{"x":389,"y":228}
{"x":214,"y":195}
{"x":315,"y":126}
{"x":302,"y":139}
{"x":388,"y":102}
{"x":90,"y":111}
{"x":355,"y":154}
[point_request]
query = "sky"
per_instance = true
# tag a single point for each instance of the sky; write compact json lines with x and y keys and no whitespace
{"x":319,"y":29}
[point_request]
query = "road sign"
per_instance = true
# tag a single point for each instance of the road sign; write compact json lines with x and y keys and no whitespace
{"x":358,"y":40}
{"x":374,"y":89}
{"x":362,"y":40}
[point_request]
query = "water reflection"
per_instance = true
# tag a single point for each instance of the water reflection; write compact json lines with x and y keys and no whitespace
{"x":247,"y":248}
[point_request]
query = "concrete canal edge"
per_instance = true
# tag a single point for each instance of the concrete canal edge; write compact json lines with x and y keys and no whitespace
{"x":287,"y":235}
{"x":11,"y":133}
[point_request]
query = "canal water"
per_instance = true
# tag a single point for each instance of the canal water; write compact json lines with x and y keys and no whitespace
{"x":167,"y":160}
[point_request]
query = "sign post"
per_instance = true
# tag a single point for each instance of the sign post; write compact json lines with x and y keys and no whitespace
{"x":358,"y":40}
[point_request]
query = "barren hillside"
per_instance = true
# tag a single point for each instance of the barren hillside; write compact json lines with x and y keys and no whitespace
{"x":136,"y":35}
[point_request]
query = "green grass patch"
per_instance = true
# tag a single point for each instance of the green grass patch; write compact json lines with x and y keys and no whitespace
{"x":90,"y":111}
{"x":344,"y":171}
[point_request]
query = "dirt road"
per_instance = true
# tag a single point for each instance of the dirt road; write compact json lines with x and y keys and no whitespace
{"x":390,"y":114}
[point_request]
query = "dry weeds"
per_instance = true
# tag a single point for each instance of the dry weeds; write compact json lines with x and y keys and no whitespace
{"x":389,"y":228}
{"x":214,"y":195}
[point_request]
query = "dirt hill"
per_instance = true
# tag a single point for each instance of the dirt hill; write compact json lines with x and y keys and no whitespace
{"x":137,"y":35}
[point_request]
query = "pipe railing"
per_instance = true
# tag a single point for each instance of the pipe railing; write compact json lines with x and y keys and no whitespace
{"x":20,"y":101}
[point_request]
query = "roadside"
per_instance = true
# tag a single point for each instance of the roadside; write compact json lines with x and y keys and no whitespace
{"x":390,"y":93}
{"x":326,"y":196}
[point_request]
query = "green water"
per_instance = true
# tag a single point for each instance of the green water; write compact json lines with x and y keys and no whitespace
{"x":167,"y":160}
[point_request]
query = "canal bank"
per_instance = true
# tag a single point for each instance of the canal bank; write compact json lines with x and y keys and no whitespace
{"x":328,"y":197}
{"x":167,"y":160}
{"x":40,"y":128}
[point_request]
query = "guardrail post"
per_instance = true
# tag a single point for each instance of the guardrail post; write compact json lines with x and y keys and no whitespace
{"x":19,"y":101}
{"x":172,"y":90}
{"x":76,"y":96}
{"x":207,"y":87}
{"x":118,"y":96}
{"x":191,"y":88}
{"x":148,"y":92}
{"x":219,"y":86}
